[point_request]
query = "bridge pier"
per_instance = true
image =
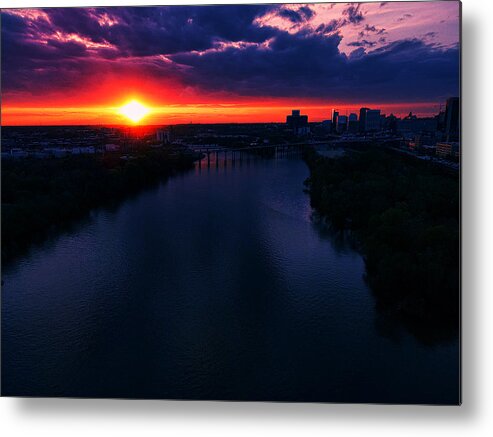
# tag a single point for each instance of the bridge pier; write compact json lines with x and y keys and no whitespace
{"x":254,"y":152}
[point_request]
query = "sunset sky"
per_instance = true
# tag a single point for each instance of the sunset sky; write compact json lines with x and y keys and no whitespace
{"x":243,"y":63}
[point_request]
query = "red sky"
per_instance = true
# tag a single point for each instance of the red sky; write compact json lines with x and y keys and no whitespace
{"x":227,"y":64}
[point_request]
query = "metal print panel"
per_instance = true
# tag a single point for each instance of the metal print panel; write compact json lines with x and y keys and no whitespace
{"x":248,"y":202}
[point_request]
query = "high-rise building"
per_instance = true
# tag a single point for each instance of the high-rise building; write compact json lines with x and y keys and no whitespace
{"x":416,"y":125}
{"x":298,"y":123}
{"x":335,"y":116}
{"x":390,"y":123}
{"x":448,"y":149}
{"x":372,"y":122}
{"x":327,"y":125}
{"x":362,"y":119}
{"x":452,"y":119}
{"x":342,"y":123}
{"x":163,"y":136}
{"x":353,"y":123}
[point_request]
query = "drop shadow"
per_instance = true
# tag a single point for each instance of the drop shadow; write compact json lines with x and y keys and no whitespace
{"x":335,"y":413}
{"x":261,"y":412}
{"x":470,"y":205}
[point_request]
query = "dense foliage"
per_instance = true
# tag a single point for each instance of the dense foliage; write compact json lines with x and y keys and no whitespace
{"x":41,"y":194}
{"x":405,"y":216}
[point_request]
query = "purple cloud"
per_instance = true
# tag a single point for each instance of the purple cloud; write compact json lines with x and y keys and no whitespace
{"x":221,"y":48}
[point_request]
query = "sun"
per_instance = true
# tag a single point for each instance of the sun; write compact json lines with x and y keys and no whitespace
{"x":134,"y":111}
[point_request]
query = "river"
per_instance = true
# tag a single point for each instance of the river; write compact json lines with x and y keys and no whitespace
{"x":214,"y":285}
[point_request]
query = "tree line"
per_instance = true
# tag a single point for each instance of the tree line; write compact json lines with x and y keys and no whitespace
{"x":41,"y":195}
{"x":404,"y":216}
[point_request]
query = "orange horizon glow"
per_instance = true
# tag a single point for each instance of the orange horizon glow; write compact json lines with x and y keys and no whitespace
{"x":184,"y":113}
{"x":84,"y":72}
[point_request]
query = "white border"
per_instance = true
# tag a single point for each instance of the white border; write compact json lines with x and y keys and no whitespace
{"x":59,"y":417}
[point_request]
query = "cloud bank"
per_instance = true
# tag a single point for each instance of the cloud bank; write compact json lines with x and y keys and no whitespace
{"x":351,"y":52}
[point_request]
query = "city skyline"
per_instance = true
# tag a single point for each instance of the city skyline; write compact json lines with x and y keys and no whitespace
{"x":210,"y":64}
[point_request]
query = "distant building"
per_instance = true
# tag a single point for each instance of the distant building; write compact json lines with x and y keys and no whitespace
{"x":382,"y":121}
{"x":335,"y":116}
{"x":372,"y":122}
{"x":441,"y":121}
{"x":353,"y":126}
{"x":163,"y":136}
{"x":87,"y":150}
{"x":57,"y":152}
{"x":111,"y":147}
{"x":426,"y":138}
{"x":390,"y":123}
{"x":427,"y":150}
{"x":327,"y":125}
{"x":362,"y":119}
{"x":448,"y":149}
{"x":452,"y":119}
{"x":17,"y":153}
{"x":412,"y":124}
{"x":298,"y":123}
{"x":342,"y":122}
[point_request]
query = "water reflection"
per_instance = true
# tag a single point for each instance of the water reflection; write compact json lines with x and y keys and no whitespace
{"x":216,"y":285}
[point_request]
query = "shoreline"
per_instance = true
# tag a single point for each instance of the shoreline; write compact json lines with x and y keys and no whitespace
{"x":400,"y":271}
{"x":55,"y":193}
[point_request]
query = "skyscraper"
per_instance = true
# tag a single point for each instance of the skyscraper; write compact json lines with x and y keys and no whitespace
{"x":335,"y":116}
{"x":342,"y":123}
{"x":362,"y":119}
{"x":353,"y":123}
{"x":372,"y":123}
{"x":298,"y":123}
{"x":452,"y":119}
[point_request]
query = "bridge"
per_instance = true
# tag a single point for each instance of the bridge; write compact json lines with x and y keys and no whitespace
{"x":234,"y":154}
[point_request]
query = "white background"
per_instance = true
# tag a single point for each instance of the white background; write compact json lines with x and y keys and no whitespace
{"x":62,"y":417}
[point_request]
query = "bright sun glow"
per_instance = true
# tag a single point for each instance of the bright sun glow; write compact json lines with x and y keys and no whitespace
{"x":134,"y":111}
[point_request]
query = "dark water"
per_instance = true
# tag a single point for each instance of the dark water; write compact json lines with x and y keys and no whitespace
{"x":215,"y":285}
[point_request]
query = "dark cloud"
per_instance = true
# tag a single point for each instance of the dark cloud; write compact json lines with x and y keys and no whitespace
{"x":362,"y":43}
{"x":404,"y":17}
{"x":357,"y":53}
{"x":353,"y":13}
{"x":289,"y":66}
{"x":314,"y":67}
{"x":137,"y":32}
{"x":409,"y":67}
{"x":291,"y":15}
{"x":331,"y":26}
{"x":306,"y":11}
{"x":297,"y":16}
{"x":145,"y":31}
{"x":220,"y":49}
{"x":373,"y":29}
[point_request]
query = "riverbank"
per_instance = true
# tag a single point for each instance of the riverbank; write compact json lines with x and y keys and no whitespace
{"x":405,"y":218}
{"x":40,"y":196}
